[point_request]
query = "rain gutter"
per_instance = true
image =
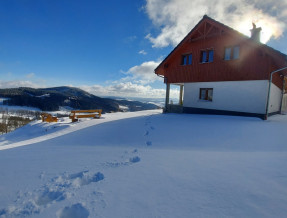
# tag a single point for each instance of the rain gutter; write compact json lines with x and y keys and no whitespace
{"x":269,"y":90}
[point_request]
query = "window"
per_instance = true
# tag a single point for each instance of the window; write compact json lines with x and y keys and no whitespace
{"x":227,"y":55}
{"x":186,"y":59}
{"x":190,"y":59}
{"x":203,"y":56}
{"x":236,"y":52}
{"x":210,"y":56}
{"x":231,"y":53}
{"x":206,"y":56}
{"x":206,"y":94}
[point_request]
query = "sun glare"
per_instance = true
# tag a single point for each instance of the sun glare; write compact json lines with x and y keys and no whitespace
{"x":269,"y":25}
{"x":245,"y":27}
{"x":266,"y":33}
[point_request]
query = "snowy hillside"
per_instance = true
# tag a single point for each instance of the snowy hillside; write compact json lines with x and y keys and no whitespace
{"x":146,"y":164}
{"x":52,"y":99}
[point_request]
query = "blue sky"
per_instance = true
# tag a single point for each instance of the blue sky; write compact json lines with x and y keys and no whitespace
{"x":110,"y":48}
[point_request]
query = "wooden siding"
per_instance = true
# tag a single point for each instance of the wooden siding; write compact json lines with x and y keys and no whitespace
{"x":255,"y":62}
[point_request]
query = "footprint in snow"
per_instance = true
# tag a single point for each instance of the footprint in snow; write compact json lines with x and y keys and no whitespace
{"x":126,"y":163}
{"x":134,"y":159}
{"x":58,"y":189}
{"x":147,"y":121}
{"x":74,"y":211}
{"x":149,"y":143}
{"x":28,"y":209}
{"x":83,"y":178}
{"x":48,"y":196}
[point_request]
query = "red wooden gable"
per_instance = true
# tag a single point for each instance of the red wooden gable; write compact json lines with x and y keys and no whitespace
{"x":255,"y":62}
{"x":204,"y":31}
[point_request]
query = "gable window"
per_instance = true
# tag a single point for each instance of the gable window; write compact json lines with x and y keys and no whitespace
{"x":186,"y":59}
{"x":210,"y":56}
{"x":190,"y":59}
{"x":231,"y":53}
{"x":206,"y":56}
{"x":236,"y":52}
{"x":227,"y":55}
{"x":206,"y":94}
{"x":203,"y":57}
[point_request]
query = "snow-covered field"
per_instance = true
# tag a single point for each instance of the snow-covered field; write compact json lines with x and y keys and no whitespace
{"x":146,"y":164}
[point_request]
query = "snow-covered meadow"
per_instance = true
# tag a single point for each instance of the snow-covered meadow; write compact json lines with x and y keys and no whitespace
{"x":146,"y":164}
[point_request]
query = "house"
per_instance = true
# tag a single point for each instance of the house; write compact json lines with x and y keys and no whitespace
{"x":221,"y":71}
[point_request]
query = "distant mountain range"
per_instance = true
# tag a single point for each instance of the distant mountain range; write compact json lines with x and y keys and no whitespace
{"x":52,"y":99}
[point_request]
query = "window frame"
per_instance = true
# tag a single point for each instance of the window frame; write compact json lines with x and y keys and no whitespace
{"x":186,"y":59}
{"x":207,"y":93}
{"x":203,"y":57}
{"x":227,"y":53}
{"x":238,"y":52}
{"x":234,"y":53}
{"x":189,"y":59}
{"x":206,"y":55}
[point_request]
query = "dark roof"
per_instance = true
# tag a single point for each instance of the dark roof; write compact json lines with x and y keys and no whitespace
{"x":231,"y":29}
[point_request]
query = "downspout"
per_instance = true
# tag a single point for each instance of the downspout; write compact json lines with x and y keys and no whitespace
{"x":283,"y":91}
{"x":269,"y":89}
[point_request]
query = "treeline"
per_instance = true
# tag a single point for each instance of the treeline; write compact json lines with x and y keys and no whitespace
{"x":9,"y":121}
{"x":46,"y":104}
{"x":9,"y":124}
{"x":21,"y":113}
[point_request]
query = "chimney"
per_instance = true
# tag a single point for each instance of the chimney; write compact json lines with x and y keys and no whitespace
{"x":255,"y":33}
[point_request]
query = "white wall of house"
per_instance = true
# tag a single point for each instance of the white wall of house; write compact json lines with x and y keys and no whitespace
{"x":275,"y":99}
{"x":240,"y":96}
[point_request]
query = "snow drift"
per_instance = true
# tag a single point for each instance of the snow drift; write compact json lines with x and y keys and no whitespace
{"x":146,"y":164}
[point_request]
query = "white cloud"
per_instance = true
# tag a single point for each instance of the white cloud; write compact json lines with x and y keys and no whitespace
{"x":136,"y":83}
{"x":143,"y":73}
{"x":17,"y":83}
{"x":176,"y":18}
{"x":143,"y":52}
{"x":129,"y":89}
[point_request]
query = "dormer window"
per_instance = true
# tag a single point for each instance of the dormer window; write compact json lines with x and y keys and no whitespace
{"x":231,"y":53}
{"x":206,"y":56}
{"x":186,"y":59}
